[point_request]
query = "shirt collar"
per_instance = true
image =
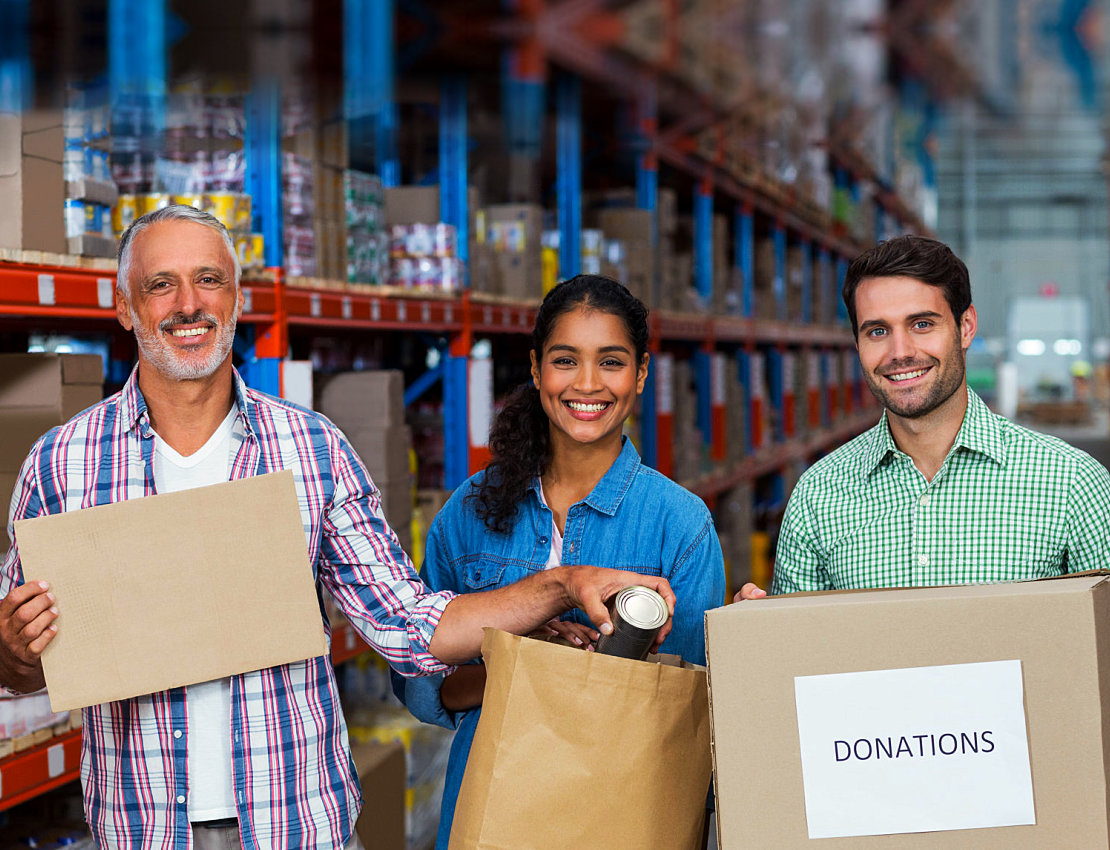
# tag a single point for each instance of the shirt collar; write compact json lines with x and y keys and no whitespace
{"x":609,"y":491}
{"x":134,"y":405}
{"x":980,"y":432}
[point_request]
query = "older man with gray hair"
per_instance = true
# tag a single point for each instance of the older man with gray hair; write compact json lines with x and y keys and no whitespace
{"x":259,"y":759}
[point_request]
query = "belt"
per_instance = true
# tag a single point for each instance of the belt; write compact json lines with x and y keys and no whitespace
{"x":222,"y":823}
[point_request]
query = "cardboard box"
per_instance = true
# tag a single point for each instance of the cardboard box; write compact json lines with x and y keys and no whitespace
{"x":633,"y":228}
{"x":381,"y":771}
{"x":515,"y":231}
{"x":32,"y":184}
{"x":137,"y":616}
{"x":369,"y":399}
{"x":39,"y":391}
{"x":385,"y":451}
{"x":762,"y":655}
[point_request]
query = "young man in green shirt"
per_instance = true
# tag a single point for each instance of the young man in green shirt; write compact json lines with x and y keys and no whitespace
{"x":941,"y":490}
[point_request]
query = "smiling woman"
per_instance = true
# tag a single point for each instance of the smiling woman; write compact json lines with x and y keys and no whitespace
{"x":565,"y":487}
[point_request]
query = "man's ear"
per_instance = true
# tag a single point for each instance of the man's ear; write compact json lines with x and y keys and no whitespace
{"x":123,"y":309}
{"x":969,"y":326}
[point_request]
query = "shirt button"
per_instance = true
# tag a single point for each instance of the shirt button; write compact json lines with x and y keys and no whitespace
{"x":572,"y":547}
{"x":180,"y":798}
{"x":923,"y":560}
{"x":924,"y":500}
{"x":177,"y":733}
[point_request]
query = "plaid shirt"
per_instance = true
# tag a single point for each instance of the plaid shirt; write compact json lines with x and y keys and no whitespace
{"x":1007,"y":504}
{"x":294,"y":780}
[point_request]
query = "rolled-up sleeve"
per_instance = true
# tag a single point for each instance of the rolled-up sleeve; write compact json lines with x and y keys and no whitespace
{"x":371,"y":578}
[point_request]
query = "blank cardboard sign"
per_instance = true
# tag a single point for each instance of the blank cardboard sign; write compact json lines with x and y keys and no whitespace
{"x":174,"y":589}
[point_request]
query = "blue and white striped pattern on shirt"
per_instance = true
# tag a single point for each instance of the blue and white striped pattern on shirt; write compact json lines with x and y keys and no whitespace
{"x":294,"y":780}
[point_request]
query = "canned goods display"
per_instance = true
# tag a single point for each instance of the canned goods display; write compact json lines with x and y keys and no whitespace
{"x":151,"y":201}
{"x":222,"y":206}
{"x":445,"y":240}
{"x":188,"y":200}
{"x":638,"y":615}
{"x":124,"y":212}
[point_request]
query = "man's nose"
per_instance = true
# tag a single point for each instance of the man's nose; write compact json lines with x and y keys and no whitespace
{"x":902,"y":345}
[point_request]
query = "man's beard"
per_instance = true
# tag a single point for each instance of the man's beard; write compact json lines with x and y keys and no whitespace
{"x":948,"y":379}
{"x":179,"y":365}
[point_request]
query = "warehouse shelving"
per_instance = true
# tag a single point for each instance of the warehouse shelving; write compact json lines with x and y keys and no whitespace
{"x":40,"y":768}
{"x":673,"y":127}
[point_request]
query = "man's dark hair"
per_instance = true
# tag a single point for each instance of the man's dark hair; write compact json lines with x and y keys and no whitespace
{"x":919,"y":257}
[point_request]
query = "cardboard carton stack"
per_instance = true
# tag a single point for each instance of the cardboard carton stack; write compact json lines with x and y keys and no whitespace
{"x":514,"y":233}
{"x":27,"y":720}
{"x":37,"y":392}
{"x":369,"y":408}
{"x":766,"y":306}
{"x":32,"y":184}
{"x":735,"y":524}
{"x":689,"y":446}
{"x":736,"y":414}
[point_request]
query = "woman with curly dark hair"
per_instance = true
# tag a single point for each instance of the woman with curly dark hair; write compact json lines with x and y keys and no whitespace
{"x":566,"y":487}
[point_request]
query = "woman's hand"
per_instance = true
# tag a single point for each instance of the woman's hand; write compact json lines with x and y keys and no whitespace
{"x":575,"y":633}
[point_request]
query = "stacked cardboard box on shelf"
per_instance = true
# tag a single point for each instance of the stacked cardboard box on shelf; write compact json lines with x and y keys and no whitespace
{"x":369,"y":407}
{"x":32,"y":185}
{"x":766,"y":304}
{"x":37,"y":392}
{"x":735,"y":523}
{"x":689,"y":446}
{"x":514,"y":234}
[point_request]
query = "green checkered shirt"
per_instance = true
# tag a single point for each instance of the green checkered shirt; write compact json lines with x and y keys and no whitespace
{"x":1007,"y":504}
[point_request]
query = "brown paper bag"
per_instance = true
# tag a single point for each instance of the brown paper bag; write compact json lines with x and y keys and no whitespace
{"x":576,"y":749}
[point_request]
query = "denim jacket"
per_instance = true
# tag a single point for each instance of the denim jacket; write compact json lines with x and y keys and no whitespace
{"x":634,"y":519}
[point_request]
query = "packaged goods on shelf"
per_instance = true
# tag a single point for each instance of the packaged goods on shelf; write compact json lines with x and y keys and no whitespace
{"x":27,"y":720}
{"x":736,"y":414}
{"x":425,"y":257}
{"x":735,"y":524}
{"x":632,"y":228}
{"x":766,"y":301}
{"x":363,"y":205}
{"x":298,"y":213}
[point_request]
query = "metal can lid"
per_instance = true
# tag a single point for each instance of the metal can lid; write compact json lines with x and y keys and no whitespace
{"x":641,"y":607}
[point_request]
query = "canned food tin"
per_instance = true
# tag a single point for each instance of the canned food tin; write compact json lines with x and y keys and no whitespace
{"x":124,"y":212}
{"x":194,"y":201}
{"x":638,"y":615}
{"x":151,"y":201}
{"x":446,"y":240}
{"x":222,"y":206}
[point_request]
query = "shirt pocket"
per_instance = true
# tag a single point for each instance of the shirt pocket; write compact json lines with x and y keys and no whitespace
{"x":483,"y":573}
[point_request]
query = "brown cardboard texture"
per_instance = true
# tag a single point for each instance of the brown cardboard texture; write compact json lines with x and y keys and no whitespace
{"x":381,"y":772}
{"x":174,"y":589}
{"x":1059,"y":631}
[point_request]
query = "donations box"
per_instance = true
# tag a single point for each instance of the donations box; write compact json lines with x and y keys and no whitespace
{"x":970,"y":716}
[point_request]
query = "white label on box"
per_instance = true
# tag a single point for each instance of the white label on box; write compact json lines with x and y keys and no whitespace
{"x":425,"y":312}
{"x":314,"y":305}
{"x":104,"y":288}
{"x":248,"y":299}
{"x":56,"y":761}
{"x":402,"y":311}
{"x":46,"y":289}
{"x":665,"y":384}
{"x":718,"y":368}
{"x":813,"y":380}
{"x":479,"y":391}
{"x":375,"y":310}
{"x":755,"y":375}
{"x":506,"y":317}
{"x":346,"y":307}
{"x":914,"y":750}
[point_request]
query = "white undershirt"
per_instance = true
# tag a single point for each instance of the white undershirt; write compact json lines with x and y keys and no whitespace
{"x":211,"y":793}
{"x":555,"y":556}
